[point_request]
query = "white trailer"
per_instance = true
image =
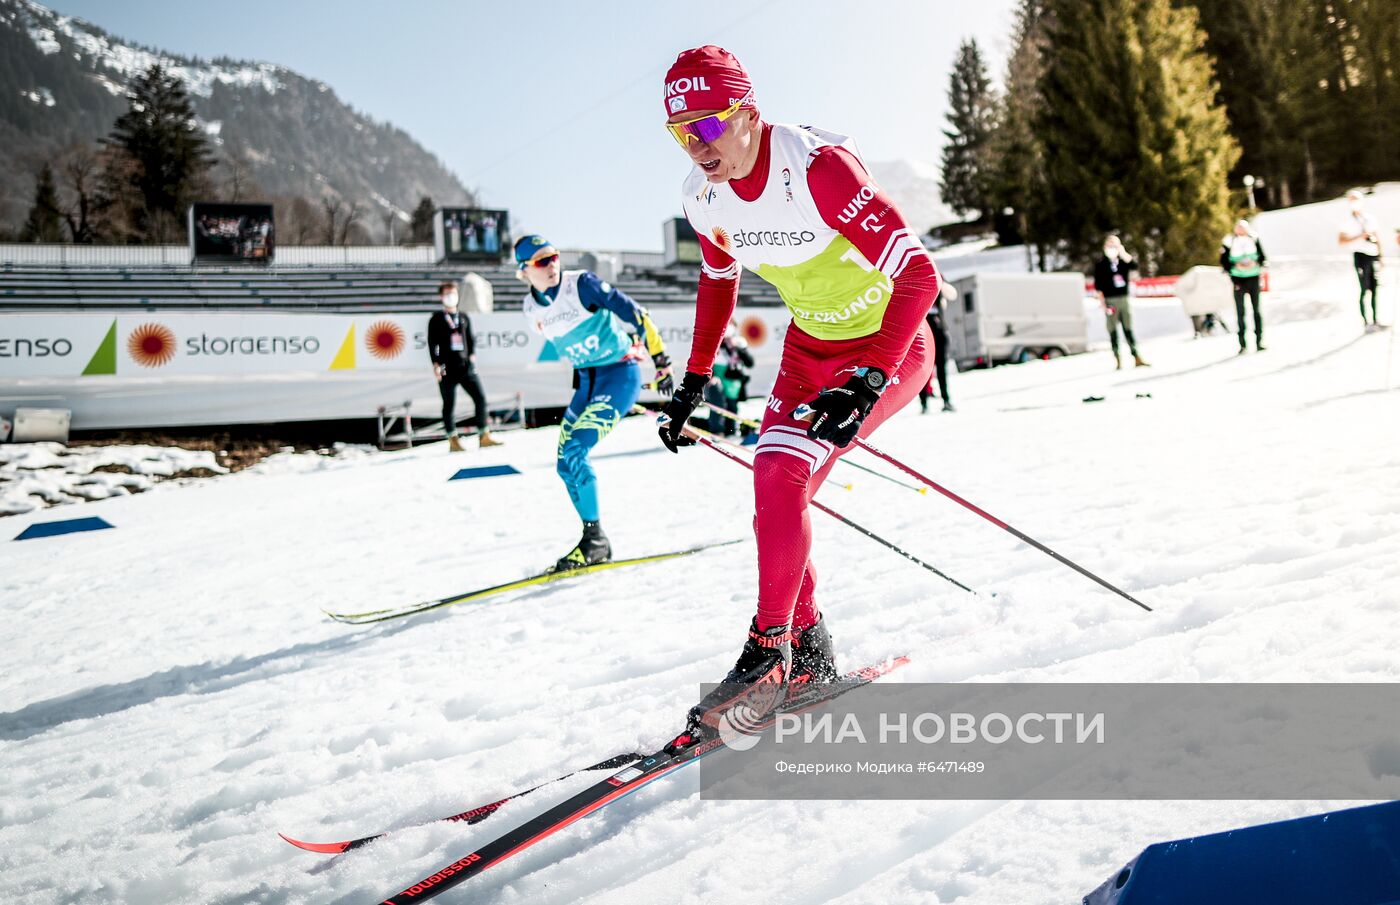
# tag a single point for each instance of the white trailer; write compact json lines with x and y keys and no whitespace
{"x":1014,"y":317}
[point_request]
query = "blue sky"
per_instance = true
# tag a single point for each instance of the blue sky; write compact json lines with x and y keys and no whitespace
{"x":553,"y":110}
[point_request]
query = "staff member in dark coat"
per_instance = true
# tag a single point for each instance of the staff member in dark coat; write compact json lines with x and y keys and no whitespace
{"x":1113,"y":278}
{"x":453,"y":351}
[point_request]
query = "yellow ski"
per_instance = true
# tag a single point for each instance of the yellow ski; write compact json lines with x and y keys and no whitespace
{"x":542,"y":578}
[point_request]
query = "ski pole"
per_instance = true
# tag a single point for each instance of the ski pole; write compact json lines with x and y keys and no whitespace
{"x":707,"y":440}
{"x":732,"y":445}
{"x":998,"y":522}
{"x":749,"y":422}
{"x":640,"y":409}
{"x":1390,"y":347}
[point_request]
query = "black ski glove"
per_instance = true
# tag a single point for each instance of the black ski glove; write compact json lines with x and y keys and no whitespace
{"x":665,"y":384}
{"x":836,"y":414}
{"x":677,"y":411}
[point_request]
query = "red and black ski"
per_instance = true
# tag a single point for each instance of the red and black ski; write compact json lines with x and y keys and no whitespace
{"x":597,"y":796}
{"x":469,"y":817}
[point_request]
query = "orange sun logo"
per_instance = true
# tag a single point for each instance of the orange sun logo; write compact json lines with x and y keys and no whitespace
{"x":721,"y":238}
{"x":384,"y":339}
{"x":151,"y":345}
{"x":754,"y":330}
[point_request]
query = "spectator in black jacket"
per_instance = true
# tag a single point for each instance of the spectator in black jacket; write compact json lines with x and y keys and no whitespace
{"x":1113,"y":280}
{"x":453,"y":351}
{"x":1242,"y":257}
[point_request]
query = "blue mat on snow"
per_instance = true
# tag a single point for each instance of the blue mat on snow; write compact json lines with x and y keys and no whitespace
{"x":485,"y":471}
{"x":67,"y":526}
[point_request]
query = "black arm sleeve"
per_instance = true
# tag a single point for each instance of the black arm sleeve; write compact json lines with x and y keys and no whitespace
{"x":1100,"y":278}
{"x":436,"y":339}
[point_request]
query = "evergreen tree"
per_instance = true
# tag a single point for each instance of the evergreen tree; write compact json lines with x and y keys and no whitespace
{"x":1085,"y":123}
{"x":1312,"y":88}
{"x":1378,"y":27}
{"x":420,"y":227}
{"x":971,"y":110}
{"x":1132,"y":135}
{"x":116,"y":184}
{"x":1270,"y":72}
{"x":1016,"y":160}
{"x":1187,"y":151}
{"x":44,"y":223}
{"x":168,"y":156}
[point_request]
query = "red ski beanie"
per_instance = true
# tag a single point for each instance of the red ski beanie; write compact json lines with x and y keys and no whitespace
{"x":706,"y":78}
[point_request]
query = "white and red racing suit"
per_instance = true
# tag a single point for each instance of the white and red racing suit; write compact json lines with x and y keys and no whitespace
{"x":810,"y":220}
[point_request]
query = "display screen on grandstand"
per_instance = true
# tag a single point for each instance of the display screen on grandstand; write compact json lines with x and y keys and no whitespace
{"x":231,"y":233}
{"x":470,"y":234}
{"x":681,"y":243}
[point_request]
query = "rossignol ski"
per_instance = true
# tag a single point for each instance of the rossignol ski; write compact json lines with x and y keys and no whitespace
{"x":628,"y":780}
{"x":469,"y":817}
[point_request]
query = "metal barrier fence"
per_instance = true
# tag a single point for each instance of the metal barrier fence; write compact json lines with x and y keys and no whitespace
{"x":95,"y":255}
{"x":24,"y":254}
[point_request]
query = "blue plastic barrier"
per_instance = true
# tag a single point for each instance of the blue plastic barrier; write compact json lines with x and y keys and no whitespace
{"x":1347,"y":857}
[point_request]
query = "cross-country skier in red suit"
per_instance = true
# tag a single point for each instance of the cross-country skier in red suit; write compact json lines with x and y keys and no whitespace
{"x":795,"y":205}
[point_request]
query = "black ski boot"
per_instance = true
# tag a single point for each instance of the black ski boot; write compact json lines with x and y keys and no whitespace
{"x":592,"y":549}
{"x":813,"y":661}
{"x":754,"y":688}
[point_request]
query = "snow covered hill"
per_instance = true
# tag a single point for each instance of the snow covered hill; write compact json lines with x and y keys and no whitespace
{"x":914,"y":187}
{"x":64,"y":80}
{"x":173,"y":697}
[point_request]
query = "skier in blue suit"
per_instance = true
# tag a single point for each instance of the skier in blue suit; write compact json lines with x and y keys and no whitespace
{"x":601,"y":332}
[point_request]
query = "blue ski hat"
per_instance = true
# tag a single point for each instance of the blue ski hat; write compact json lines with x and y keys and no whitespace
{"x":527,"y":248}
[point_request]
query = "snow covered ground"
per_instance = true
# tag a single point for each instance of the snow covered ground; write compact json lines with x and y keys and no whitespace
{"x":172,"y":696}
{"x":36,"y":475}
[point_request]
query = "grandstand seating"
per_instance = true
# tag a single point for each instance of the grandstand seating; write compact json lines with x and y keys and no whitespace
{"x":25,"y":287}
{"x":345,"y":288}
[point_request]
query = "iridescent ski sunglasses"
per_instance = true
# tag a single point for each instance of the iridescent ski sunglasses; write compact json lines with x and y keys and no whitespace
{"x":708,"y":127}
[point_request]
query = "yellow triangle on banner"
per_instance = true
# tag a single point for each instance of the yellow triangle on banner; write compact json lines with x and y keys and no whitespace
{"x":345,"y":358}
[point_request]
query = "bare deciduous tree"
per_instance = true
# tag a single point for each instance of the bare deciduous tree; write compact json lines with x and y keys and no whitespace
{"x":352,"y":222}
{"x":332,"y":208}
{"x":80,"y":198}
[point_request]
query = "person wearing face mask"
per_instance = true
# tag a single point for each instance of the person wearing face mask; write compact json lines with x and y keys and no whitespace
{"x":727,"y":379}
{"x":602,"y":333}
{"x":1113,"y":279}
{"x":795,"y":205}
{"x":1360,"y":234}
{"x":1242,"y":257}
{"x":453,"y":352}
